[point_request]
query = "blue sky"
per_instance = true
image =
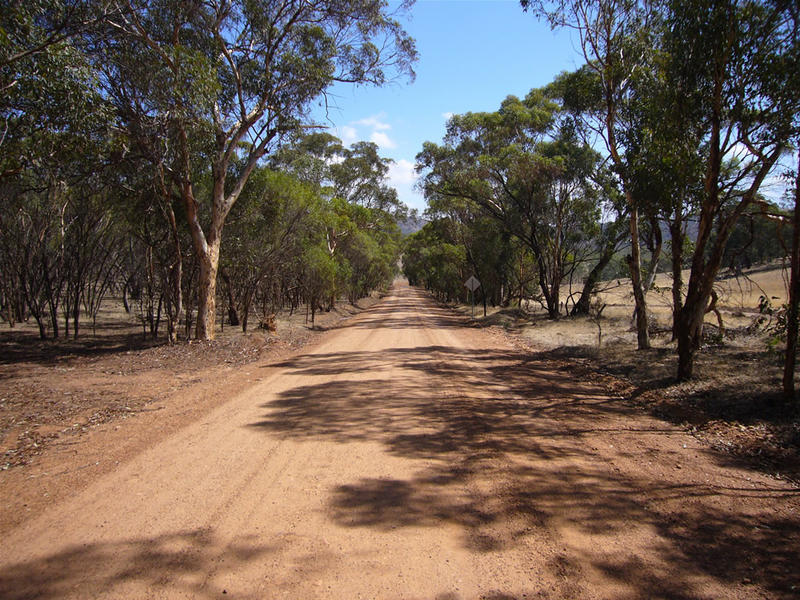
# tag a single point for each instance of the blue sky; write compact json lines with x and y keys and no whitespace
{"x":472,"y":54}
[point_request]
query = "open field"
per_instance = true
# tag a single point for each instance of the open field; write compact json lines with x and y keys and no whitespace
{"x":738,"y":304}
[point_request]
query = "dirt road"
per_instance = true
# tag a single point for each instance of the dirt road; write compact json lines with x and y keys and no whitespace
{"x":409,"y":456}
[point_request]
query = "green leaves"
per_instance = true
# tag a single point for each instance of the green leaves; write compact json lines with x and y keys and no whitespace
{"x":524,"y":167}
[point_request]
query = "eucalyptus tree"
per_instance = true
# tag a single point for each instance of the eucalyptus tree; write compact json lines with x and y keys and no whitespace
{"x":725,"y":98}
{"x":58,"y":255}
{"x":790,"y":61}
{"x":356,"y":174}
{"x":615,"y":38}
{"x":665,"y":167}
{"x":270,"y":226}
{"x":308,"y":156}
{"x":29,"y":257}
{"x":361,"y":210}
{"x":488,"y":248}
{"x":369,"y":256}
{"x":360,"y":178}
{"x":348,"y":178}
{"x":152,"y":267}
{"x":227,"y":80}
{"x":736,"y":62}
{"x":579,"y":95}
{"x":89,"y":241}
{"x":458,"y":242}
{"x":319,"y":272}
{"x":527,"y":172}
{"x":32,"y":27}
{"x":434,"y":260}
{"x":53,"y":158}
{"x":794,"y":290}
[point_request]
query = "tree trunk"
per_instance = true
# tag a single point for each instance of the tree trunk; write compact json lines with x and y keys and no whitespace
{"x":794,"y":295}
{"x":705,"y":261}
{"x":550,"y":292}
{"x":655,"y":255}
{"x":125,"y":304}
{"x":554,"y":312}
{"x":583,"y":304}
{"x":701,"y":283}
{"x":52,"y":300}
{"x":676,"y":237}
{"x":690,"y":335}
{"x":233,"y":315}
{"x":206,"y":250}
{"x":247,"y":301}
{"x":76,"y":314}
{"x":690,"y":322}
{"x":207,"y":292}
{"x":635,"y":265}
{"x":189,"y":316}
{"x":176,"y":276}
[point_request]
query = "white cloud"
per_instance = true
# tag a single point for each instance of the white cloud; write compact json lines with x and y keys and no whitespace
{"x":373,"y":128}
{"x":401,"y":173}
{"x":374,"y":122}
{"x":348,"y":134}
{"x":402,"y":177}
{"x":447,"y":116}
{"x":383,"y":140}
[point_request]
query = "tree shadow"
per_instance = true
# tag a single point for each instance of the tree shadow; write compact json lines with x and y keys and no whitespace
{"x":21,"y":347}
{"x":177,"y":561}
{"x":736,"y":396}
{"x":531,"y":430}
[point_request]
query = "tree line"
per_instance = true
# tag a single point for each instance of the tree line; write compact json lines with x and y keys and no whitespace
{"x":136,"y":133}
{"x":680,"y":115}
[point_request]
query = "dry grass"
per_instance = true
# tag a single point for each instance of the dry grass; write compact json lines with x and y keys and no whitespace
{"x":733,"y":403}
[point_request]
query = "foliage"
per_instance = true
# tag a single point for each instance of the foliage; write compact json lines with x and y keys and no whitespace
{"x":149,"y":122}
{"x":208,"y":90}
{"x":433,"y":262}
{"x":525,"y":168}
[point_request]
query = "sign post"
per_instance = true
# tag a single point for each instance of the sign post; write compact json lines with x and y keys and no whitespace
{"x":472,"y":284}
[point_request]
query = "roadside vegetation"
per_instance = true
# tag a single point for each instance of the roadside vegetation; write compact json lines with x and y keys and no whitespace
{"x":166,"y":153}
{"x":165,"y":157}
{"x":639,"y":215}
{"x":671,"y":150}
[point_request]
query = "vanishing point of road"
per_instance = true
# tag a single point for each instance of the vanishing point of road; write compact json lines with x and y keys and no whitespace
{"x":409,"y":455}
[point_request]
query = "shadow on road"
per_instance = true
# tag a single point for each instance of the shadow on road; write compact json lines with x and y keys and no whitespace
{"x":512,"y":450}
{"x":180,"y":561}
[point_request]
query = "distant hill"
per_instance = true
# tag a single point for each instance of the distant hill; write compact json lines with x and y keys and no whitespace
{"x":412,"y":224}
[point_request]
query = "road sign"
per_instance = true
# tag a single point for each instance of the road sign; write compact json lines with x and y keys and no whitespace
{"x":472,"y":284}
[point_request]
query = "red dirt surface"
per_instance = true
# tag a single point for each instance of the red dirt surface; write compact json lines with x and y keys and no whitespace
{"x":402,"y":455}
